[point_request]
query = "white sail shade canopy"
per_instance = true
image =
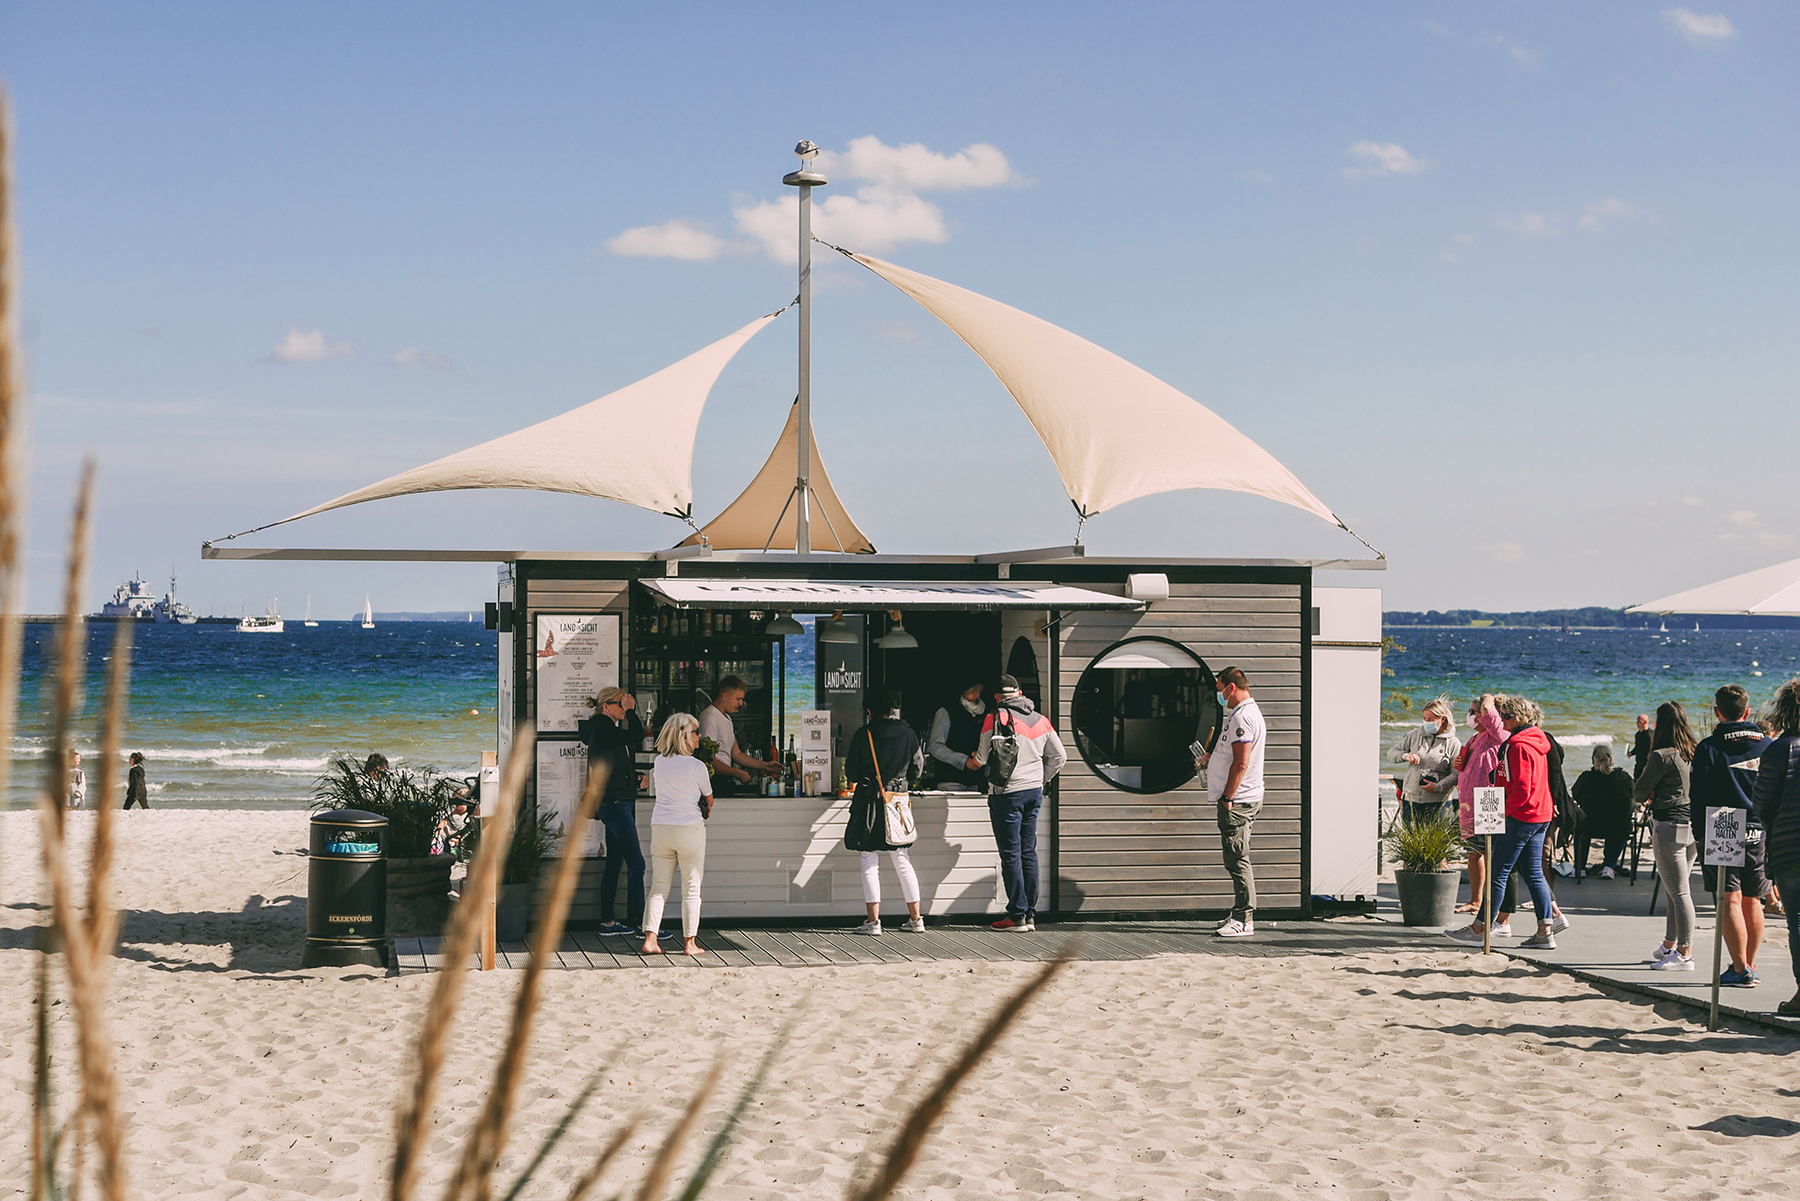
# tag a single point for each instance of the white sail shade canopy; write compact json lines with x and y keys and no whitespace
{"x":635,"y":445}
{"x":765,"y":514}
{"x":1768,"y":592}
{"x":1115,"y":431}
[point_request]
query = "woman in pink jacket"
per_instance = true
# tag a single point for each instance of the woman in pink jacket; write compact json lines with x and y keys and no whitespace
{"x":1475,"y":767}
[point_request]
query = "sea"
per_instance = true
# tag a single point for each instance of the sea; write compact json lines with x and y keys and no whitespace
{"x":250,"y":721}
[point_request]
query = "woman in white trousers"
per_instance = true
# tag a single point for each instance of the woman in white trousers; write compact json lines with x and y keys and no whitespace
{"x":678,"y":830}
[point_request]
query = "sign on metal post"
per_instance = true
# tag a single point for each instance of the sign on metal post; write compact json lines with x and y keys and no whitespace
{"x":1724,"y":848}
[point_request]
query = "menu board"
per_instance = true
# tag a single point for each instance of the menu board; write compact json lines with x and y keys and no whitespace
{"x":576,"y":655}
{"x":562,"y":769}
{"x":815,"y":752}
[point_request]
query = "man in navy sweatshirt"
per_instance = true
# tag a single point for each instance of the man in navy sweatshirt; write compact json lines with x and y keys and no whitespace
{"x":1723,"y":777}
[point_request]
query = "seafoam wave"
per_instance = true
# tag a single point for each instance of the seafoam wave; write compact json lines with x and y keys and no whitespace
{"x":1584,"y":739}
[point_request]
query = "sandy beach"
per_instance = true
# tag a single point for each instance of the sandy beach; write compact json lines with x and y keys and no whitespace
{"x":1188,"y":1076}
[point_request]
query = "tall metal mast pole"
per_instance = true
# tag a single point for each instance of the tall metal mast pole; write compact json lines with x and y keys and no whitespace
{"x":806,"y":179}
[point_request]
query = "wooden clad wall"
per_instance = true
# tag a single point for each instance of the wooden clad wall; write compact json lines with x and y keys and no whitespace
{"x":1127,"y":852}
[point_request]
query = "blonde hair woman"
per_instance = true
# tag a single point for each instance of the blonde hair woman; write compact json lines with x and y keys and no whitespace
{"x":678,"y":830}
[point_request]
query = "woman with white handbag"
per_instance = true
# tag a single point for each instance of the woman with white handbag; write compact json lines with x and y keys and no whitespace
{"x":884,"y":758}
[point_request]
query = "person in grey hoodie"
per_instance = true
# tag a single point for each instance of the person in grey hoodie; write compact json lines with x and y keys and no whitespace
{"x":1429,"y":750}
{"x":1025,"y":736}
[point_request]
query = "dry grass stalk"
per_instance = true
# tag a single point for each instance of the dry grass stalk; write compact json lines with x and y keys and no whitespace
{"x":103,"y":919}
{"x":459,"y":947}
{"x":12,"y":450}
{"x":591,"y":1177}
{"x":925,"y":1115}
{"x":475,"y":1173}
{"x":664,"y":1164}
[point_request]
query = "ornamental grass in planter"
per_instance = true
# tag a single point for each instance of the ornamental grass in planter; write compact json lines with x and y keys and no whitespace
{"x":414,"y":801}
{"x":1426,"y":886}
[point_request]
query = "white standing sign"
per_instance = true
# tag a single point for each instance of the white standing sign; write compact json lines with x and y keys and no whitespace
{"x":562,"y":771}
{"x":1490,"y":810}
{"x":1725,"y":837}
{"x":815,"y":751}
{"x":575,"y":656}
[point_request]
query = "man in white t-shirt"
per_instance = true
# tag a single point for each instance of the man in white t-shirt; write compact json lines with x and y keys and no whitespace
{"x":1236,"y":787}
{"x":715,"y":723}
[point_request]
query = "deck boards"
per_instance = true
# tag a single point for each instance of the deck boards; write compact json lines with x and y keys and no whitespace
{"x":840,"y":947}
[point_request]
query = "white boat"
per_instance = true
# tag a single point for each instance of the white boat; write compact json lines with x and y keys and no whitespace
{"x":368,"y":613}
{"x":132,"y":599}
{"x":169,"y":611}
{"x":308,"y":619}
{"x":269,"y":623}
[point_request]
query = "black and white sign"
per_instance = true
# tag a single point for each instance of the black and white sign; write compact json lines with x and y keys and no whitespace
{"x":1490,"y":810}
{"x":1725,"y":837}
{"x":576,"y":656}
{"x":562,"y":772}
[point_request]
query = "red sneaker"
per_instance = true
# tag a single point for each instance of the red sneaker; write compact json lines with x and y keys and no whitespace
{"x":1005,"y":923}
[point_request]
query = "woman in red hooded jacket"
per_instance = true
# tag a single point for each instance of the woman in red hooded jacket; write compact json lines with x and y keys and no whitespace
{"x":1524,"y":770}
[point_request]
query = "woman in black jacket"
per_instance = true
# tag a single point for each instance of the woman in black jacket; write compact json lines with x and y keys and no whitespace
{"x":614,"y":739}
{"x":1777,"y":804}
{"x":886,"y":751}
{"x":1604,"y":794}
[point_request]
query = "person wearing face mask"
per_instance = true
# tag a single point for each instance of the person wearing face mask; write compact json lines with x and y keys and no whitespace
{"x":1236,"y":787}
{"x":955,"y":734}
{"x":1429,"y":751}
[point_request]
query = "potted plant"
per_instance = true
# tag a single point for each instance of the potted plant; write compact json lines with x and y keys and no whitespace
{"x":534,"y":840}
{"x":415,"y":802}
{"x":1427,"y":887}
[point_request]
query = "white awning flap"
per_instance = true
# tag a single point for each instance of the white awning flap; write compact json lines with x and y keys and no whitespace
{"x":1768,"y":592}
{"x":824,"y":596}
{"x":1115,"y":431}
{"x":766,"y":515}
{"x":1147,"y":655}
{"x":635,"y":445}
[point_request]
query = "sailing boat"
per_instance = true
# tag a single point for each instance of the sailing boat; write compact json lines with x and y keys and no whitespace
{"x":368,"y":613}
{"x":308,"y":620}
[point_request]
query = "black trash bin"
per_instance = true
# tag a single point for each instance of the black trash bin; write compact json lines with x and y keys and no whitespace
{"x":346,"y":891}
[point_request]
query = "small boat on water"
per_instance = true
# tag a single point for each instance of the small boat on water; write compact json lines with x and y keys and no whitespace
{"x":269,"y":623}
{"x":368,"y":622}
{"x":308,"y":619}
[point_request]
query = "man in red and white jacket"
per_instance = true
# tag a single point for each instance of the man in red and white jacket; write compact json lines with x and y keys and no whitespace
{"x":1013,"y":803}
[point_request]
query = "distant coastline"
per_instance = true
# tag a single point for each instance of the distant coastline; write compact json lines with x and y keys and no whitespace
{"x":1589,"y":618}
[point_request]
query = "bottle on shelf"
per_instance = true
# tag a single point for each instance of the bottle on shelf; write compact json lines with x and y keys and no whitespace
{"x":706,"y":624}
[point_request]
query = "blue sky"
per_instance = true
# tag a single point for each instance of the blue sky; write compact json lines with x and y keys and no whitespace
{"x":1509,"y":287}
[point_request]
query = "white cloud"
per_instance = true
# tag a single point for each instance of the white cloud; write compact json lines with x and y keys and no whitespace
{"x":1502,"y":552}
{"x":898,"y":331}
{"x":676,"y":239}
{"x":1693,"y":502}
{"x":1527,"y":224}
{"x":413,"y":356}
{"x":1701,"y":29}
{"x":1256,"y":176}
{"x":1600,"y":213}
{"x":914,"y":168}
{"x":1743,"y":517}
{"x":1462,"y":239}
{"x":308,"y":346}
{"x":1593,"y":217}
{"x":1382,"y":158}
{"x":1529,"y":56}
{"x":1442,"y":31}
{"x":884,"y":213}
{"x":1445,"y":256}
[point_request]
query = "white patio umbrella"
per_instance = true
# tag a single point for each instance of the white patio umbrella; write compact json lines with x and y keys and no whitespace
{"x":1768,"y":592}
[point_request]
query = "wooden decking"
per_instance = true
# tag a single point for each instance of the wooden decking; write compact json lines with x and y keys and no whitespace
{"x":838,"y":947}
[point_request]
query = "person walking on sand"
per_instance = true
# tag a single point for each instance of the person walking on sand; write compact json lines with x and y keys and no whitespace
{"x":1475,"y":766}
{"x":136,"y":791}
{"x":1022,"y":752}
{"x":1604,"y":794}
{"x":613,"y":740}
{"x":77,"y":797}
{"x":1723,"y":777}
{"x":884,"y":753}
{"x":1429,"y":750}
{"x":1664,"y":787}
{"x":1237,"y":791}
{"x":1523,"y":770}
{"x":1777,"y":802}
{"x":678,"y":830}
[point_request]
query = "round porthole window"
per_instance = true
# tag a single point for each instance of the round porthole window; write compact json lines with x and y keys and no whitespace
{"x":1138,"y":710}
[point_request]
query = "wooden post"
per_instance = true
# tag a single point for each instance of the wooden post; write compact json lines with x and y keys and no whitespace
{"x":1487,"y":900}
{"x":1712,"y":1022}
{"x":489,"y":902}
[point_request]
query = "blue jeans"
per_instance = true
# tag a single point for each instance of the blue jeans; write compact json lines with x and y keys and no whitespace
{"x":622,"y":853}
{"x":1522,"y":846}
{"x":1014,"y":818}
{"x":1789,"y":884}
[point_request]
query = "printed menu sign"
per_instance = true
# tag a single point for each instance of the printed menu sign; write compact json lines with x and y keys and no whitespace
{"x":562,"y":770}
{"x":1725,"y":837}
{"x":576,"y":655}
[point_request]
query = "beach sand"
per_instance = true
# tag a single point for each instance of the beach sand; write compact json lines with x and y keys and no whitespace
{"x":1382,"y":1076}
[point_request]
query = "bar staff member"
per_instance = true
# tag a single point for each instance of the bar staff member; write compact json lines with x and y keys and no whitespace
{"x":955,"y":733}
{"x":716,"y":724}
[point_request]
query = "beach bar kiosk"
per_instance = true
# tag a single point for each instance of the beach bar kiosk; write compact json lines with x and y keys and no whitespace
{"x":1120,"y":654}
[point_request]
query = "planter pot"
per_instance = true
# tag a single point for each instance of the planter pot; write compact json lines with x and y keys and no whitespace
{"x":512,"y":911}
{"x":1427,"y":898}
{"x":418,"y":895}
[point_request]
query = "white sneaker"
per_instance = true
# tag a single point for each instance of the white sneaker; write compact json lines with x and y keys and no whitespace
{"x":914,"y":925}
{"x":1467,"y":935}
{"x":1236,"y":929}
{"x":1607,"y":873}
{"x":1675,"y":962}
{"x":1558,"y":924}
{"x":1661,"y":953}
{"x":1027,"y":926}
{"x":1502,"y":930}
{"x":1224,"y":922}
{"x":873,"y":928}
